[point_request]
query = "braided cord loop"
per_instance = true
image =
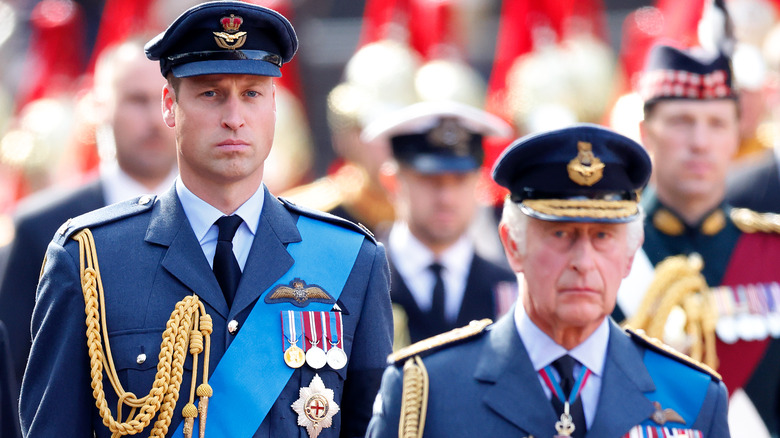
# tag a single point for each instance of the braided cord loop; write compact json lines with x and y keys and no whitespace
{"x":185,"y":331}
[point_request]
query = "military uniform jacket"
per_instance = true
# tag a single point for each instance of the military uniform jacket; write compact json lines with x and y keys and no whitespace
{"x":479,"y":299}
{"x":35,"y":224}
{"x":731,"y":258}
{"x":149,"y":260}
{"x":486,"y":386}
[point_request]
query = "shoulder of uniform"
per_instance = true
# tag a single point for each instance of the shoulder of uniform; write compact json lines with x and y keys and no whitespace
{"x":658,"y":346}
{"x":749,"y":221}
{"x":322,"y":194}
{"x":438,"y":342}
{"x":105,"y":215}
{"x":327,"y":217}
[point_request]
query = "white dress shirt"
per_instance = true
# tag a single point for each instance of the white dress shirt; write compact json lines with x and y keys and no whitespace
{"x":118,"y":186}
{"x":202,"y":216}
{"x":412,"y":260}
{"x":544,"y":351}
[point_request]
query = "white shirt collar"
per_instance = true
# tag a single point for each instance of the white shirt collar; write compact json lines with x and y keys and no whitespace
{"x":119,"y":186}
{"x":543,"y":350}
{"x":412,"y":259}
{"x":202,"y":215}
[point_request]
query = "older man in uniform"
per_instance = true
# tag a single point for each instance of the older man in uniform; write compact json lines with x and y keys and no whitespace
{"x":438,"y":280}
{"x":691,"y":128}
{"x":558,"y":365}
{"x":273,"y":319}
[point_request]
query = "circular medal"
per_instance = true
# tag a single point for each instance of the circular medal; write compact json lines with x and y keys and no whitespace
{"x":745,"y":327}
{"x":294,"y":357}
{"x":773,"y":324}
{"x":726,"y":330}
{"x":316,"y":358}
{"x":337,"y":358}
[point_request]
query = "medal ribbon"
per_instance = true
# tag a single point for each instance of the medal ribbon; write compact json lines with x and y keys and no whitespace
{"x":326,"y":253}
{"x":289,"y":329}
{"x":555,"y":386}
{"x":335,"y":330}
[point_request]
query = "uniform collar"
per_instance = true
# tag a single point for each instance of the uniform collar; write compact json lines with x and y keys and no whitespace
{"x":411,"y":257}
{"x":119,"y":186}
{"x":668,"y":222}
{"x":543,"y":350}
{"x":202,"y":215}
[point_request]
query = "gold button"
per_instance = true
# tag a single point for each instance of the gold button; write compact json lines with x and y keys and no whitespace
{"x":233,"y":327}
{"x":140,"y":359}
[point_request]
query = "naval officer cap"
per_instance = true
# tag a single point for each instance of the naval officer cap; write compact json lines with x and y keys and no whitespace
{"x":583,"y":173}
{"x":437,"y":136}
{"x":225,"y":37}
{"x":694,"y":73}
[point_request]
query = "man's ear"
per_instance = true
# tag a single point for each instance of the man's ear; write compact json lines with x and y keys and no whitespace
{"x":168,"y":104}
{"x":388,"y":178}
{"x":512,"y":251}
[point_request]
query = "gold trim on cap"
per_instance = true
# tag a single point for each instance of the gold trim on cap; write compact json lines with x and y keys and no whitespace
{"x":583,"y":208}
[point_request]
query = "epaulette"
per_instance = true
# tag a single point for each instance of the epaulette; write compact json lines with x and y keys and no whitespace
{"x":749,"y":221}
{"x":658,"y":346}
{"x":434,"y":343}
{"x":323,"y":194}
{"x":327,"y":217}
{"x":101,"y":216}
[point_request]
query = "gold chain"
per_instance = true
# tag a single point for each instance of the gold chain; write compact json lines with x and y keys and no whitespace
{"x":188,"y":325}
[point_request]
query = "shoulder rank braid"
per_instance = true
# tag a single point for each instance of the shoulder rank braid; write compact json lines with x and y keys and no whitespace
{"x":414,"y":394}
{"x":678,"y":282}
{"x":748,"y":221}
{"x":188,"y":325}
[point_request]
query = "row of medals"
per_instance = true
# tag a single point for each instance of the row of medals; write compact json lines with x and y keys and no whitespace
{"x":750,"y":312}
{"x":315,"y":356}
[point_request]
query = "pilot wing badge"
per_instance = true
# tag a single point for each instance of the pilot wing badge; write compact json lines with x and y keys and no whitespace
{"x":298,"y":293}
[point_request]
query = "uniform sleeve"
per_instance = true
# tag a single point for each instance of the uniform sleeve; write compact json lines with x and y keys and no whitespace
{"x":372,"y":344}
{"x":387,"y":406}
{"x":56,"y":398}
{"x":713,"y":416}
{"x":18,"y":279}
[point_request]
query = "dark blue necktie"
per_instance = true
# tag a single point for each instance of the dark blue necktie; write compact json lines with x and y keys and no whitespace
{"x":565,"y":367}
{"x":436,"y":314}
{"x":226,"y":267}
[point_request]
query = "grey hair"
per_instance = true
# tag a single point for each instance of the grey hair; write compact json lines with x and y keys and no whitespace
{"x":517,"y":224}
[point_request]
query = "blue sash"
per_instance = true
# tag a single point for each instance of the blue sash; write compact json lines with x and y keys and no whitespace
{"x":667,"y":374}
{"x":252,"y":373}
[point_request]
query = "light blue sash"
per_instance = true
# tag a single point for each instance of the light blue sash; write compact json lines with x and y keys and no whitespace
{"x":252,"y":373}
{"x":685,"y":398}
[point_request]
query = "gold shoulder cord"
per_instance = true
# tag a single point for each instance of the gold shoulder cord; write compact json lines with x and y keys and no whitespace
{"x":414,"y":399}
{"x":188,"y":325}
{"x":678,"y":282}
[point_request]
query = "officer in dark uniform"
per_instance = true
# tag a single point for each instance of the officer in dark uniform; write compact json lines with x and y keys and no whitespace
{"x":691,"y":127}
{"x":215,"y":300}
{"x":438,"y":281}
{"x":557,"y":365}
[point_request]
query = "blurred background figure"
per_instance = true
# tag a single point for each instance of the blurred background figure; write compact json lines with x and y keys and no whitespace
{"x":699,"y":251}
{"x":138,"y":155}
{"x":438,"y":282}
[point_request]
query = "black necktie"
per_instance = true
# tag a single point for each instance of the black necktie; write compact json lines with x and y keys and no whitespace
{"x":565,"y":367}
{"x":436,"y":314}
{"x":226,"y":267}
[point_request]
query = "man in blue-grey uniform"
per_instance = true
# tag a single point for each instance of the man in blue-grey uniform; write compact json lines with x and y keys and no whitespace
{"x":214,"y":306}
{"x":558,"y":365}
{"x":438,"y":280}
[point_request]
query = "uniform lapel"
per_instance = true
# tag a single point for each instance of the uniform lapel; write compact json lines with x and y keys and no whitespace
{"x":478,"y":297}
{"x":268,"y":258}
{"x":184,"y":259}
{"x":516,"y":394}
{"x":622,"y":403}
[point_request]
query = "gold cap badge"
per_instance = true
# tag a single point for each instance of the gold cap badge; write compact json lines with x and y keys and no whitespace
{"x":231,"y":38}
{"x":585,"y":169}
